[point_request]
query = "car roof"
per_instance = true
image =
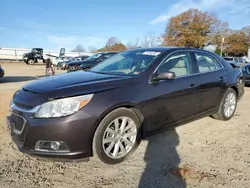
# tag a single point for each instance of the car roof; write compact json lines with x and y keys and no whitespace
{"x":170,"y":49}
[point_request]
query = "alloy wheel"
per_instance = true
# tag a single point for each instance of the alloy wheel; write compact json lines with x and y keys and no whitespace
{"x":119,"y":137}
{"x":230,"y":104}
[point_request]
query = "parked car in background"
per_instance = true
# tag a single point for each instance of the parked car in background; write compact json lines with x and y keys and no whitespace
{"x":64,"y":65}
{"x":81,"y":58}
{"x":246,"y":72}
{"x":89,"y":62}
{"x":107,"y":110}
{"x":61,"y":64}
{"x":1,"y":72}
{"x":239,"y":60}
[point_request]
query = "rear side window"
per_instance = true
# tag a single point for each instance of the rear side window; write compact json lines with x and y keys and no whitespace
{"x":207,"y":63}
{"x":179,"y":63}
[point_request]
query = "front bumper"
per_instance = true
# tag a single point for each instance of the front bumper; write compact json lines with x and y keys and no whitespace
{"x":76,"y":131}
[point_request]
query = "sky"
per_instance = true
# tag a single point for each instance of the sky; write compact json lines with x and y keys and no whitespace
{"x":55,"y":24}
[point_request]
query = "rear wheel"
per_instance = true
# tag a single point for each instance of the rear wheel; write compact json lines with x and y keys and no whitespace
{"x":117,"y":136}
{"x":228,"y":106}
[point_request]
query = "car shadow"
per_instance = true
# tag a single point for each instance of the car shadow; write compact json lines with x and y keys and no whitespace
{"x":9,"y":79}
{"x":162,"y":162}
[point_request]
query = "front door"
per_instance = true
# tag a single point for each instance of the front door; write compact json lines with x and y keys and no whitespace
{"x":173,"y":100}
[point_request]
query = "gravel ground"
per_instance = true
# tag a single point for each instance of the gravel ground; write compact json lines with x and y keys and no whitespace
{"x":204,"y":153}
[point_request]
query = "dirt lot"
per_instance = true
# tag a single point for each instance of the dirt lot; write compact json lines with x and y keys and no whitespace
{"x":205,"y":153}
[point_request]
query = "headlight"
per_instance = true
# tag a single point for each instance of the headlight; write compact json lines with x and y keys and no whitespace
{"x":63,"y":107}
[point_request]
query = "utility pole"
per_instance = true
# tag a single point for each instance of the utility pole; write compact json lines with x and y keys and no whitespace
{"x":221,"y":47}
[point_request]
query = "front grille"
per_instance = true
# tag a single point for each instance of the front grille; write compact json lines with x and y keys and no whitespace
{"x":24,"y":106}
{"x":19,"y":123}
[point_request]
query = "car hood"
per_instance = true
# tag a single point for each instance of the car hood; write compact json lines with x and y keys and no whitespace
{"x":76,"y":83}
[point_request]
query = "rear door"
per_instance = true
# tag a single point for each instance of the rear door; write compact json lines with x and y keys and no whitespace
{"x":211,"y":78}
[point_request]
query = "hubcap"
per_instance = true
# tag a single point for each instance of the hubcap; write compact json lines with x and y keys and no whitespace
{"x":119,"y":137}
{"x":230,"y":104}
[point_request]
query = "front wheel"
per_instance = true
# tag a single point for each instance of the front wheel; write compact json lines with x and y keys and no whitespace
{"x":31,"y":62}
{"x":228,"y":106}
{"x":117,"y":136}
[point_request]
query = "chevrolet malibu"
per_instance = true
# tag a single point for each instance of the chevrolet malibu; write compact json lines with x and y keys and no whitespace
{"x":108,"y":110}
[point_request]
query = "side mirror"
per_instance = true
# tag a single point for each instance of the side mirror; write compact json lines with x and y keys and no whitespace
{"x":163,"y":76}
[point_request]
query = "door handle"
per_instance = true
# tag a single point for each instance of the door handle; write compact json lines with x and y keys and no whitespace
{"x":192,"y":86}
{"x":221,"y":79}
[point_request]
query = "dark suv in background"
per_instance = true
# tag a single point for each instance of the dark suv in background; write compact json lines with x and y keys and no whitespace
{"x":89,"y":62}
{"x":107,"y":110}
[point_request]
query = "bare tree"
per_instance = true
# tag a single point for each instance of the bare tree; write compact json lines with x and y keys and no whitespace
{"x":133,"y":46}
{"x":92,"y":49}
{"x":149,"y":40}
{"x":112,"y":41}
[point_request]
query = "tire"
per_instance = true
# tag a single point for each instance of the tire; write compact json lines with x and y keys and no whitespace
{"x":30,"y":62}
{"x":221,"y":114}
{"x":102,"y":132}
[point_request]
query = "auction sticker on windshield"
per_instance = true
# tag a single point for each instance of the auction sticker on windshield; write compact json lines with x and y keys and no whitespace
{"x":153,"y":53}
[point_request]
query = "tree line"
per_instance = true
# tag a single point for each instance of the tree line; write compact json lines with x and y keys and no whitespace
{"x":192,"y":28}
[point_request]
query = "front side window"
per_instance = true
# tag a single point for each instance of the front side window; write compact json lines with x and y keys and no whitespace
{"x":178,"y":63}
{"x":132,"y":62}
{"x":206,"y":63}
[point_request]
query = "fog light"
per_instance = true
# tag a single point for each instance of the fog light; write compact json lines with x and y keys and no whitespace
{"x":51,"y":146}
{"x":55,"y":145}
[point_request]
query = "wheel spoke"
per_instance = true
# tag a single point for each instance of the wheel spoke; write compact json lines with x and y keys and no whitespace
{"x":116,"y":149}
{"x":116,"y":123}
{"x":128,"y":142}
{"x":123,"y":151}
{"x":228,"y":111}
{"x":129,"y":126}
{"x":124,"y":123}
{"x":108,"y":140}
{"x":111,"y":131}
{"x":110,"y":147}
{"x":129,"y":134}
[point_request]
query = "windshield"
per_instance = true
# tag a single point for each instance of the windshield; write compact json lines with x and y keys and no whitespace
{"x":95,"y":56}
{"x":126,"y":63}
